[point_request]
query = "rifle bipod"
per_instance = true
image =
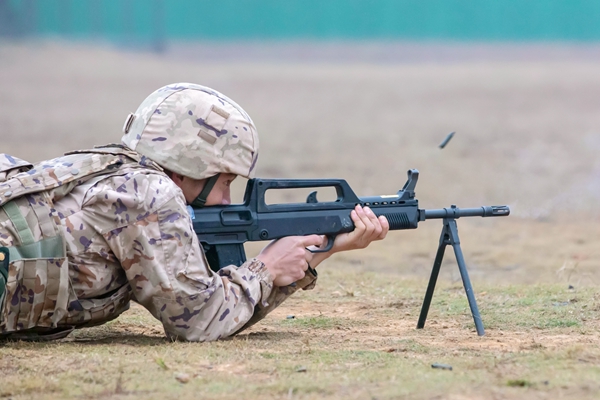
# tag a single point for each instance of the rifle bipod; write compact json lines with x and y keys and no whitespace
{"x":449,"y":236}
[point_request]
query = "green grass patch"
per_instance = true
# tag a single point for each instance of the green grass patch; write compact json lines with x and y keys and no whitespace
{"x":518,"y":383}
{"x":530,"y":307}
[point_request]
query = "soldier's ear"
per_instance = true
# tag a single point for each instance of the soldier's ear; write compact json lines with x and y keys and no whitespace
{"x":175,"y":177}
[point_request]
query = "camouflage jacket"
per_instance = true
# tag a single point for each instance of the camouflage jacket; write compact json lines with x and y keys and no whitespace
{"x":125,"y":233}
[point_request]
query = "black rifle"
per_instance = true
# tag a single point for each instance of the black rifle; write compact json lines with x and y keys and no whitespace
{"x":223,"y":230}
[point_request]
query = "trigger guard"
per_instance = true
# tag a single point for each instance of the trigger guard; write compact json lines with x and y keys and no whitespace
{"x":328,"y":246}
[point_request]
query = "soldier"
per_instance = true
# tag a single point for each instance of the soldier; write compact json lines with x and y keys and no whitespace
{"x":85,"y":233}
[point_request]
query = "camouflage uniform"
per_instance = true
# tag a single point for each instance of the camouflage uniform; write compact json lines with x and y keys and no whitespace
{"x":92,"y":230}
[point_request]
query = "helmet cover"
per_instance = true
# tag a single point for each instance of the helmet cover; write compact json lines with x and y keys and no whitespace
{"x":194,"y":131}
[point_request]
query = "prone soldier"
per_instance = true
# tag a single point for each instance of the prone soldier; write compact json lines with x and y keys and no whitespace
{"x":84,"y":234}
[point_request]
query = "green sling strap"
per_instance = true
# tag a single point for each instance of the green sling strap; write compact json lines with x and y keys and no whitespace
{"x":12,"y":210}
{"x":46,"y":248}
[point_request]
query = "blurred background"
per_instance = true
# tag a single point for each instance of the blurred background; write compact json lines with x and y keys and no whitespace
{"x":159,"y":21}
{"x":354,"y":89}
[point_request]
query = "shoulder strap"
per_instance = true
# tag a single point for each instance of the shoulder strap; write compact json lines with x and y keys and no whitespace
{"x":25,"y":234}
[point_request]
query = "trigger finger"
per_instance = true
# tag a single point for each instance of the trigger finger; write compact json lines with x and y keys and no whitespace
{"x":323,"y":244}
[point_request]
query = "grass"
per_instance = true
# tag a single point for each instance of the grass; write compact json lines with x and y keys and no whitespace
{"x":540,"y":341}
{"x":548,"y":306}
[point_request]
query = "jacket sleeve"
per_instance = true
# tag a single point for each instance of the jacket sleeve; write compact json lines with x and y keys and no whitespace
{"x":279,"y":295}
{"x":170,"y":276}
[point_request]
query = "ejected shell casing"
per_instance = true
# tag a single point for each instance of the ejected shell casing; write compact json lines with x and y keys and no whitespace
{"x":445,"y":141}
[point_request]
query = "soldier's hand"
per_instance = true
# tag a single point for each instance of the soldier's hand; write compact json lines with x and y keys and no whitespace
{"x":368,"y":228}
{"x":287,"y":258}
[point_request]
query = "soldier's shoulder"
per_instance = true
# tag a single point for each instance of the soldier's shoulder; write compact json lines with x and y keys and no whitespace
{"x":139,"y":182}
{"x":125,"y":199}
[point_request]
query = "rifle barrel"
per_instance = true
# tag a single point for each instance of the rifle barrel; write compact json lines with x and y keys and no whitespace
{"x":455,"y":212}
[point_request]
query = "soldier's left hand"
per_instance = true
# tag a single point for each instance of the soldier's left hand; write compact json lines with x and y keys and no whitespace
{"x":367,"y":228}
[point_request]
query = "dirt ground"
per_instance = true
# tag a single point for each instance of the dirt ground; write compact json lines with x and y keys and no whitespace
{"x":527,"y":123}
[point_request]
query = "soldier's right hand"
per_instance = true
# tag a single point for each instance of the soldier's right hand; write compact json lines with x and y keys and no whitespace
{"x":287,"y":258}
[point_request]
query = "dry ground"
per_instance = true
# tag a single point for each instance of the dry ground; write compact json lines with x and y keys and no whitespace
{"x":353,"y":337}
{"x":527,"y":135}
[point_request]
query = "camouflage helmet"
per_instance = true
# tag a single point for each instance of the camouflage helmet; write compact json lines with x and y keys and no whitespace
{"x":194,"y":131}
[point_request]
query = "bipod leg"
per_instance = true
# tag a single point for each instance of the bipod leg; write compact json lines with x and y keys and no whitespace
{"x":452,"y":229}
{"x":444,"y":241}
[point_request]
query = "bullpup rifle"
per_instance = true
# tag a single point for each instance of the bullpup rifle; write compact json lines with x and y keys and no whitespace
{"x":223,"y":230}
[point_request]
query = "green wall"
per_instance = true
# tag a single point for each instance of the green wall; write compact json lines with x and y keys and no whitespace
{"x":496,"y":20}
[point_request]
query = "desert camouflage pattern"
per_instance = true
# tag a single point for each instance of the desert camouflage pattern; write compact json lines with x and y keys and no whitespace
{"x":10,"y":166}
{"x":114,"y":228}
{"x":194,"y":131}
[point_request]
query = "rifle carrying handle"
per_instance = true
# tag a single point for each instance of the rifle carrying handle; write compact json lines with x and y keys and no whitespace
{"x":343,"y":190}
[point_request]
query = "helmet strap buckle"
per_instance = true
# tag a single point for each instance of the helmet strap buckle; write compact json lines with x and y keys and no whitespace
{"x":200,"y":201}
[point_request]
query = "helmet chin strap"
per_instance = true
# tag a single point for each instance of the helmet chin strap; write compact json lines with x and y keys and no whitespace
{"x":200,"y":201}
